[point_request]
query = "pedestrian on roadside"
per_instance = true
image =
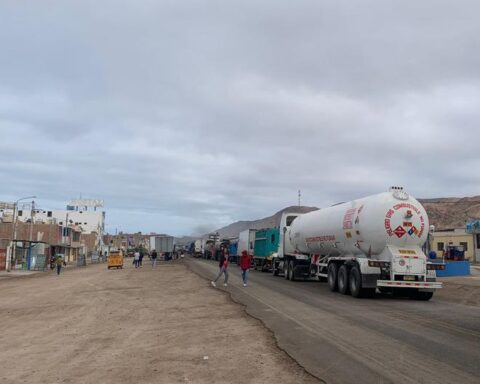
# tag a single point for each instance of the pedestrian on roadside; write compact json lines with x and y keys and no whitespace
{"x":141,"y":257}
{"x":59,"y":262}
{"x":136,"y":259}
{"x":153,"y":257}
{"x":245,"y":265}
{"x":223,"y":265}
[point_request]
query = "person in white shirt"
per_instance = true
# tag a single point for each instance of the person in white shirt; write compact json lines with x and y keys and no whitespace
{"x":136,"y":259}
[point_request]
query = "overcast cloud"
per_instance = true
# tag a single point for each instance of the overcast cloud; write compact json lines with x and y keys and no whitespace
{"x":185,"y":116}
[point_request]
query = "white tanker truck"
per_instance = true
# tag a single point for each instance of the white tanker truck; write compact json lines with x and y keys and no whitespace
{"x":362,"y":245}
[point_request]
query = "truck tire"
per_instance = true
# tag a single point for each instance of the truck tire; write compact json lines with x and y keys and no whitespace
{"x":355,"y":282}
{"x":332,"y":274}
{"x":274,"y":269}
{"x":342,"y":280}
{"x":285,"y":269}
{"x":355,"y":285}
{"x":422,"y":296}
{"x":291,"y":270}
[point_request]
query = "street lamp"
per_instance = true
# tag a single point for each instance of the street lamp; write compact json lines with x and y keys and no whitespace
{"x":14,"y":231}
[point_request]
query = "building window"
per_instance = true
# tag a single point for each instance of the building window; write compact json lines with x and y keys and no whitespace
{"x":273,"y":238}
{"x":464,"y":244}
{"x":20,"y":213}
{"x":49,"y":214}
{"x":440,"y":246}
{"x":478,"y":240}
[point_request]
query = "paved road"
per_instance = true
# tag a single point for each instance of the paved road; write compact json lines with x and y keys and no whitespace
{"x":345,"y":340}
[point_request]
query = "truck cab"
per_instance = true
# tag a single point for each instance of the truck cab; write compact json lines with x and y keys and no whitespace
{"x":293,"y":265}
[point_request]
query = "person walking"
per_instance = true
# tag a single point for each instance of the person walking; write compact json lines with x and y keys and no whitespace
{"x":153,"y":256}
{"x":136,"y":259}
{"x":59,"y":263}
{"x":245,"y":265}
{"x":223,"y":265}
{"x":140,"y":261}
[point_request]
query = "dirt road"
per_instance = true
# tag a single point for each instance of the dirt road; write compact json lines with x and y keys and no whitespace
{"x":167,"y":325}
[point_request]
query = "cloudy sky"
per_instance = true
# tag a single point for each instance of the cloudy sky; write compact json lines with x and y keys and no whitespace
{"x":185,"y":116}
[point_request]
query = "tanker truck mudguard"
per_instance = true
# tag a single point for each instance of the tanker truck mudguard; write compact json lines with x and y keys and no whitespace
{"x":361,"y":246}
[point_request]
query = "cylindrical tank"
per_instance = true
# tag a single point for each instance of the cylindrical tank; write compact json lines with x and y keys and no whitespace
{"x":362,"y":227}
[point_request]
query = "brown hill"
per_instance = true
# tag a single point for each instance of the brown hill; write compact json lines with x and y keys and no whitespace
{"x":234,"y":229}
{"x":444,"y":213}
{"x":452,"y":212}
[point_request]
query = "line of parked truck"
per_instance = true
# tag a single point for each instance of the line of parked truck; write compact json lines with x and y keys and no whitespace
{"x":262,"y":244}
{"x":357,"y":247}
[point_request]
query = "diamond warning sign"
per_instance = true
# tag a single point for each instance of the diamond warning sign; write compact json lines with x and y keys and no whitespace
{"x":413,"y":231}
{"x":399,"y":231}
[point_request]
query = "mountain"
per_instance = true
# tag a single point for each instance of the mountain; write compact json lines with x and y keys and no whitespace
{"x":444,"y":213}
{"x":452,"y":212}
{"x":234,"y":229}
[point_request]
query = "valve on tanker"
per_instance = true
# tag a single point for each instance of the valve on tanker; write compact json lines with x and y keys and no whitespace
{"x":399,"y":193}
{"x":393,"y":188}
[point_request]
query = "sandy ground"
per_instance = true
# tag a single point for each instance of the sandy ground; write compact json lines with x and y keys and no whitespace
{"x":91,"y":325}
{"x":461,"y":289}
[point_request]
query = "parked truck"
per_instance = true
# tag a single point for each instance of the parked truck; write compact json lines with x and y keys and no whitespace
{"x":163,"y":244}
{"x":246,"y":241}
{"x":266,"y":245}
{"x":196,"y":248}
{"x":362,"y":245}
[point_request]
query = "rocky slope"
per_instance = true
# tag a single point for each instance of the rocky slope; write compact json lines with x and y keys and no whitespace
{"x":452,"y":212}
{"x":234,"y":229}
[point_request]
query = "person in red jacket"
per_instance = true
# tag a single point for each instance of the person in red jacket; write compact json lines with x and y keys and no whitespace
{"x":245,"y":264}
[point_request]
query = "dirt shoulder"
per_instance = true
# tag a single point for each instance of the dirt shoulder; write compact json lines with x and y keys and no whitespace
{"x":91,"y":325}
{"x":461,"y":289}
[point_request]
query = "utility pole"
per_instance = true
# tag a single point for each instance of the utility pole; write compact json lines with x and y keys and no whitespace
{"x":299,"y":197}
{"x":14,"y":235}
{"x":29,"y":252}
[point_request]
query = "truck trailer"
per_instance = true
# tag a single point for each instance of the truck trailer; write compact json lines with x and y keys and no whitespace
{"x":360,"y":246}
{"x":162,"y":244}
{"x":197,"y":248}
{"x":266,"y":245}
{"x":246,"y":241}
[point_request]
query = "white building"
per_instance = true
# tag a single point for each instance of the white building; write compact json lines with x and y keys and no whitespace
{"x":88,"y":214}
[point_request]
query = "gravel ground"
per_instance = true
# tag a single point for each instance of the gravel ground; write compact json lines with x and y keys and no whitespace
{"x":93,"y":325}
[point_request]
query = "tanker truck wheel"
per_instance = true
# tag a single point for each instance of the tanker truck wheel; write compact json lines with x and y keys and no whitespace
{"x":291,"y":270}
{"x":342,"y":280}
{"x":332,"y":274}
{"x":355,"y":281}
